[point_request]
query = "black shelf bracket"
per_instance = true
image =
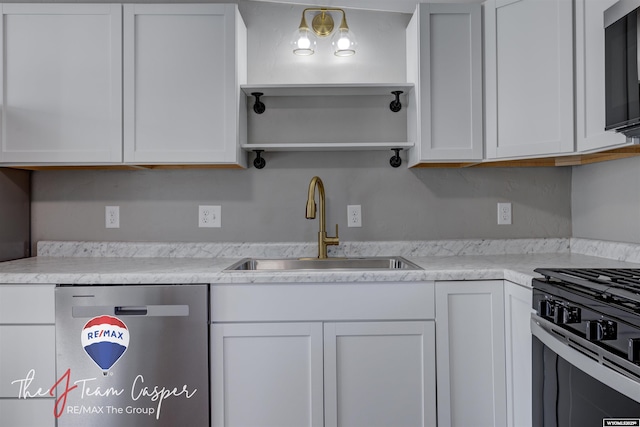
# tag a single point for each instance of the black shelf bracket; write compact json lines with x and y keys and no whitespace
{"x":258,"y":106}
{"x":259,"y":162}
{"x":395,"y":160}
{"x":396,"y":105}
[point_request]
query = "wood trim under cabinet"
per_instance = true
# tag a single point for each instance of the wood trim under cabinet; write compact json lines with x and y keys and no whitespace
{"x":571,"y":160}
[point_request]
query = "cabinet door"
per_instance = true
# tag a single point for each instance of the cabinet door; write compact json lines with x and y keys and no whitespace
{"x":27,"y":338}
{"x":590,"y":91}
{"x":444,"y":50}
{"x":517,"y":314}
{"x":266,"y":374}
{"x":470,"y":354}
{"x":61,"y":83}
{"x":529,"y":77}
{"x":180,"y":83}
{"x":379,"y":374}
{"x":28,"y":351}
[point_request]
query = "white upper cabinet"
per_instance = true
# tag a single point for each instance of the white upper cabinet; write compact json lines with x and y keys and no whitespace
{"x":61,"y":83}
{"x":529,"y":78}
{"x":444,"y":61}
{"x":590,"y":87}
{"x":183,"y":66}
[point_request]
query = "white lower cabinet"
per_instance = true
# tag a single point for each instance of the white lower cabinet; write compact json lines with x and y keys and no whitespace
{"x":373,"y":374}
{"x":517,"y":314}
{"x":335,"y":355}
{"x":471,"y":354}
{"x":27,"y":355}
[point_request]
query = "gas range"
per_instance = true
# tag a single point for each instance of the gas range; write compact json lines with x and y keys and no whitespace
{"x":586,"y":347}
{"x":599,"y":306}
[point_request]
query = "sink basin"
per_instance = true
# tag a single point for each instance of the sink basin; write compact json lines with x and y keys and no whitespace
{"x":330,"y":264}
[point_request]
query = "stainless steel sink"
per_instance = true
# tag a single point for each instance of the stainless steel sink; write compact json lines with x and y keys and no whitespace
{"x":332,"y":264}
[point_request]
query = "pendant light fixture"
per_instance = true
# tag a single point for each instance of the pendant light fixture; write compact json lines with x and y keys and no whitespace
{"x":304,"y":40}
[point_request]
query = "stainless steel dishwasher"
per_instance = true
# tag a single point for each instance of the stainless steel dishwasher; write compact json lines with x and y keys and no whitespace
{"x":132,"y":356}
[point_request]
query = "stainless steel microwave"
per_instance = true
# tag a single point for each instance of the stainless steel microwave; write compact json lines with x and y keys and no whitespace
{"x":622,"y":88}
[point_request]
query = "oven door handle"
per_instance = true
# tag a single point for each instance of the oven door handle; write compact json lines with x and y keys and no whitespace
{"x":542,"y":329}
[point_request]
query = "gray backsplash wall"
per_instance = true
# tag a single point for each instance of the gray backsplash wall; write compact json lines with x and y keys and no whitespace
{"x":14,"y":214}
{"x":268,"y":204}
{"x":606,"y":201}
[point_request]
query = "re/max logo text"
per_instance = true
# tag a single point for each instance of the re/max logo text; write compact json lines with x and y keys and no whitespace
{"x":105,"y":333}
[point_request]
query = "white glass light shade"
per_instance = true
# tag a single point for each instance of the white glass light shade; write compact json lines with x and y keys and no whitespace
{"x":344,"y":42}
{"x":303,"y":42}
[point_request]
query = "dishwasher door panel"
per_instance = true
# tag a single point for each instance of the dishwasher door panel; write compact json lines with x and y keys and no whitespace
{"x":132,"y":356}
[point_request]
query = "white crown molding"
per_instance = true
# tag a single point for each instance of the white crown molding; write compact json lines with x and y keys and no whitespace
{"x":402,"y":6}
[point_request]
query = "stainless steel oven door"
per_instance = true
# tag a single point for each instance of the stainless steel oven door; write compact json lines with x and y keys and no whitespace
{"x":576,"y":384}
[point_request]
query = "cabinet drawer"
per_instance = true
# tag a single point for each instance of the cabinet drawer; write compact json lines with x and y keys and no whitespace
{"x":322,"y":301}
{"x":26,"y":348}
{"x":27,"y":413}
{"x":27,"y":304}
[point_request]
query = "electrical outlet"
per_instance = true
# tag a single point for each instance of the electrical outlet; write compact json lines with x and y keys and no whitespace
{"x":112,"y":216}
{"x":354,"y":216}
{"x":504,"y":213}
{"x":209,"y":216}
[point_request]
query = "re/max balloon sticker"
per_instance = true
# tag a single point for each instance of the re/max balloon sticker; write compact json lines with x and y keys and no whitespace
{"x":105,"y":339}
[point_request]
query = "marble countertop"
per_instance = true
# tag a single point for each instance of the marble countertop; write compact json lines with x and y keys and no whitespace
{"x":98,"y":263}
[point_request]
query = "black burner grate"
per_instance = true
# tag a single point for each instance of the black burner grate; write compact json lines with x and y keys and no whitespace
{"x":613,"y":286}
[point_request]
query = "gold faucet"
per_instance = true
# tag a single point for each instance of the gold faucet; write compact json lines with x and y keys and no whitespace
{"x":323,"y":239}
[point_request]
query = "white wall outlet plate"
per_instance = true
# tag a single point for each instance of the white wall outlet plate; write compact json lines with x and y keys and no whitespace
{"x":504,"y":213}
{"x":209,"y":216}
{"x":112,"y":216}
{"x":354,"y":216}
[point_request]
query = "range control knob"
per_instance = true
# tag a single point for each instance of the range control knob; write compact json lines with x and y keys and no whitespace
{"x":566,"y":314}
{"x":601,"y":330}
{"x":633,"y":353}
{"x":545,"y":308}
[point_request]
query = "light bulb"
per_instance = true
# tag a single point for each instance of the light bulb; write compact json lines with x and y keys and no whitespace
{"x":344,"y":42}
{"x":303,"y":42}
